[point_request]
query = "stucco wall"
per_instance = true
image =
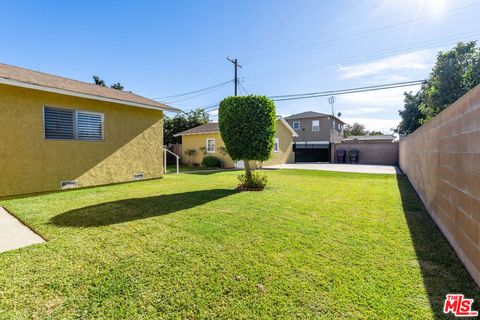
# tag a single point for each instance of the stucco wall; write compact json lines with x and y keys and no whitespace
{"x":285,"y":151}
{"x":305,"y":132}
{"x":195,"y":141}
{"x":381,"y":153}
{"x":29,"y":163}
{"x":442,"y":161}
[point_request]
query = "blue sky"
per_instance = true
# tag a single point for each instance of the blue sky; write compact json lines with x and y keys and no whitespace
{"x":159,"y":48}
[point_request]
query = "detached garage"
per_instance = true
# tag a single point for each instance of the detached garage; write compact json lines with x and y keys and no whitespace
{"x":312,"y":151}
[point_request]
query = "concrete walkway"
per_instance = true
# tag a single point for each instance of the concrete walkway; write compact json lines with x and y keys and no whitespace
{"x":358,"y":168}
{"x":14,"y":234}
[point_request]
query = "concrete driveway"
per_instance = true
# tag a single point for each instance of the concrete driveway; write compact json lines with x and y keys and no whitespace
{"x":14,"y":234}
{"x":358,"y":168}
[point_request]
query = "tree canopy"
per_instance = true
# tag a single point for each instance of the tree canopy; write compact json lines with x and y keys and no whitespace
{"x":247,"y":126}
{"x":101,"y":83}
{"x":356,"y":129}
{"x":456,"y":71}
{"x":182,"y":122}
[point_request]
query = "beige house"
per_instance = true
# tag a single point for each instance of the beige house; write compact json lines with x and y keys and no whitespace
{"x":207,"y":141}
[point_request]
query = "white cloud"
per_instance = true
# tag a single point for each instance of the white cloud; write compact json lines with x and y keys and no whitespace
{"x":365,"y":110}
{"x":393,"y":67}
{"x":377,"y":110}
{"x":383,"y":125}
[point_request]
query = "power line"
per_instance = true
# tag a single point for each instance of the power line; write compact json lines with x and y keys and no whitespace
{"x":243,"y":88}
{"x":359,"y":35}
{"x":351,"y":26}
{"x":195,"y":95}
{"x":350,"y":90}
{"x":317,"y":94}
{"x":362,"y":57}
{"x":196,"y":91}
{"x":217,"y":64}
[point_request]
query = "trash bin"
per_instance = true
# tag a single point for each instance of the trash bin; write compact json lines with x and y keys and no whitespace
{"x":341,"y":156}
{"x":354,"y":156}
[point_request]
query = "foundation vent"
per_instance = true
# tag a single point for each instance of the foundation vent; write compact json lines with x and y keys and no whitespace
{"x":138,"y":176}
{"x":68,"y":184}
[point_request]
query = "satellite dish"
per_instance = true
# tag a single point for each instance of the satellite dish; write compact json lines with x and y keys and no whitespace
{"x":339,"y":114}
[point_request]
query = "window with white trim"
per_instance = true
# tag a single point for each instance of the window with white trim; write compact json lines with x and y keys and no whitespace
{"x":276,"y":145}
{"x":296,"y":125}
{"x":69,"y":124}
{"x":210,"y":145}
{"x":315,"y":125}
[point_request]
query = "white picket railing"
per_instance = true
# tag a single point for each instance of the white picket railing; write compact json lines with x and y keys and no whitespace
{"x":165,"y":150}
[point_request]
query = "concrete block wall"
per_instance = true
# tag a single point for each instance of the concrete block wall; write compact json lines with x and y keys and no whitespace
{"x":381,"y":153}
{"x":442,"y":161}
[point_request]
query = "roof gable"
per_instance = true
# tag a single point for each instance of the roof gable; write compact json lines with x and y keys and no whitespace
{"x":20,"y":77}
{"x":204,"y":128}
{"x":311,"y":114}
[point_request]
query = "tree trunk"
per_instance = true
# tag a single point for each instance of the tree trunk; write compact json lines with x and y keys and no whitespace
{"x":248,"y":171}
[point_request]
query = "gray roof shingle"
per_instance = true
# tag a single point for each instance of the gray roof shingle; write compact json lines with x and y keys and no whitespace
{"x":310,"y":114}
{"x":204,"y":128}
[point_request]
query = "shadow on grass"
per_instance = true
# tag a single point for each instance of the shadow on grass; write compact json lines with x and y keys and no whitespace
{"x":441,"y":269}
{"x":108,"y":213}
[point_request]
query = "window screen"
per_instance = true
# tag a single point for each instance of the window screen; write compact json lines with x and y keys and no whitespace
{"x":67,"y":124}
{"x":315,"y":125}
{"x":59,"y":123}
{"x":89,"y":126}
{"x":275,"y":145}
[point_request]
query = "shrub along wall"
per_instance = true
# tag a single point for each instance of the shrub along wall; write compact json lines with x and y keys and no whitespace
{"x":442,"y":161}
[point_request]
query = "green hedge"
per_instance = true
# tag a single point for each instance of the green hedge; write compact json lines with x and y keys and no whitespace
{"x":211,"y":162}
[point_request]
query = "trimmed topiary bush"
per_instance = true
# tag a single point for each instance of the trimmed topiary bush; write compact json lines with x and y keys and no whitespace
{"x":211,"y":162}
{"x":247,"y":126}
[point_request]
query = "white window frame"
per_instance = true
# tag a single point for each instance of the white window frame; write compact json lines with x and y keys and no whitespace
{"x":276,"y":145}
{"x":313,"y":126}
{"x":294,"y":125}
{"x":206,"y":145}
{"x":75,"y":124}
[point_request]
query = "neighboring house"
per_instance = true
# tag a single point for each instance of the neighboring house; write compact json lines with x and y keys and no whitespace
{"x":371,"y":139}
{"x":316,"y":133}
{"x":59,"y":133}
{"x":208,"y":136}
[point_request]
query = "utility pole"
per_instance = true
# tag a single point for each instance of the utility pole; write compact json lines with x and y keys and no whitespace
{"x":235,"y":62}
{"x":331,"y":101}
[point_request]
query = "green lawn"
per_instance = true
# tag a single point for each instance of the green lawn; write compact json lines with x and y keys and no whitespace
{"x":313,"y":244}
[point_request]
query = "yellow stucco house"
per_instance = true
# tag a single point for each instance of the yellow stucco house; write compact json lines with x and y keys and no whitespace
{"x":208,"y":137}
{"x":59,"y":133}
